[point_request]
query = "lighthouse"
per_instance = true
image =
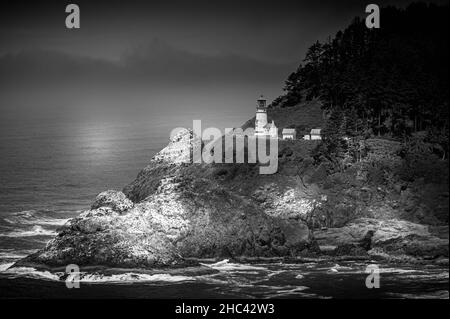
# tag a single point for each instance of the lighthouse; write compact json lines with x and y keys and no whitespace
{"x":261,"y":116}
{"x":262,"y":127}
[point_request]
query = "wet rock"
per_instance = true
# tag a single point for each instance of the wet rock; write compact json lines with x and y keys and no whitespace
{"x":182,"y":219}
{"x":116,"y":200}
{"x":398,"y":237}
{"x":366,"y":241}
{"x":180,"y":148}
{"x":176,"y":211}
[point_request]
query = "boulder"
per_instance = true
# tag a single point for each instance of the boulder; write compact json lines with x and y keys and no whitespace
{"x":176,"y":211}
{"x":115,"y":200}
{"x":396,"y":237}
{"x":183,"y":218}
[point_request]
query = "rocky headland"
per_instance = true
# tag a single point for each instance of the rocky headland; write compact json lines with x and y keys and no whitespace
{"x":175,"y":213}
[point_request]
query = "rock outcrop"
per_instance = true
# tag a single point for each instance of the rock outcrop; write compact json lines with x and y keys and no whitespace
{"x":117,"y":201}
{"x":383,"y":237}
{"x":177,"y":212}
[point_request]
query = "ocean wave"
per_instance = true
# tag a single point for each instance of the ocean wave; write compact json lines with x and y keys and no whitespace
{"x":133,"y":277}
{"x":275,"y":273}
{"x":39,"y":217}
{"x":338,"y":268}
{"x":5,"y":266}
{"x":439,"y":294}
{"x":286,"y":291}
{"x":434,"y":276}
{"x":34,"y":231}
{"x":29,"y":272}
{"x":225,"y":265}
{"x":362,"y":269}
{"x":7,"y":254}
{"x":387,"y":270}
{"x":398,"y":270}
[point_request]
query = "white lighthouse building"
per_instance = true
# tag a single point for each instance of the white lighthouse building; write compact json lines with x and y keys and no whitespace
{"x":262,"y":127}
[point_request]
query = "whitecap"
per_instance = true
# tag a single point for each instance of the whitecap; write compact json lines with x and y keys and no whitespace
{"x":5,"y":266}
{"x":9,"y":254}
{"x":33,"y":217}
{"x":332,"y":270}
{"x":30,"y":272}
{"x":399,"y":270}
{"x":435,"y":276}
{"x":276,"y":272}
{"x":225,"y":265}
{"x":34,"y":231}
{"x":132,"y":277}
{"x":52,"y":221}
{"x":285,"y":291}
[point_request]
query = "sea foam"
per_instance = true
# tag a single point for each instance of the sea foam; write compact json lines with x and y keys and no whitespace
{"x":225,"y":265}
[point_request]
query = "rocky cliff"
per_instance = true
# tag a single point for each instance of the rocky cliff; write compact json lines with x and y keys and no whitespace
{"x":175,"y":212}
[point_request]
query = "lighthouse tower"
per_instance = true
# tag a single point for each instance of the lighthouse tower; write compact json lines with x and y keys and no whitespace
{"x":261,"y":116}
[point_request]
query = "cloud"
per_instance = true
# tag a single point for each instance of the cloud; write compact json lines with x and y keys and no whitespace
{"x":156,"y":64}
{"x":152,"y":80}
{"x":166,"y":62}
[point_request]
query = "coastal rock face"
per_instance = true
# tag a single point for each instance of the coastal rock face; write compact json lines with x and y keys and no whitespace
{"x":107,"y":236}
{"x":179,"y":150}
{"x":395,"y":237}
{"x":115,"y":200}
{"x":178,"y":211}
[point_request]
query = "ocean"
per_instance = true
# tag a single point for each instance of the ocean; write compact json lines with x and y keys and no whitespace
{"x":52,"y":169}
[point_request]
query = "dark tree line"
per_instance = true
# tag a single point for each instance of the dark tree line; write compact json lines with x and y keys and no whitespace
{"x":388,"y":81}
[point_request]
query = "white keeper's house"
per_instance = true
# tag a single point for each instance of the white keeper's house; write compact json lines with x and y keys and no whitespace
{"x":289,"y":134}
{"x":313,"y":135}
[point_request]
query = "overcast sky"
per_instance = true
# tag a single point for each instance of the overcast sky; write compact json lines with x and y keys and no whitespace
{"x":158,"y":58}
